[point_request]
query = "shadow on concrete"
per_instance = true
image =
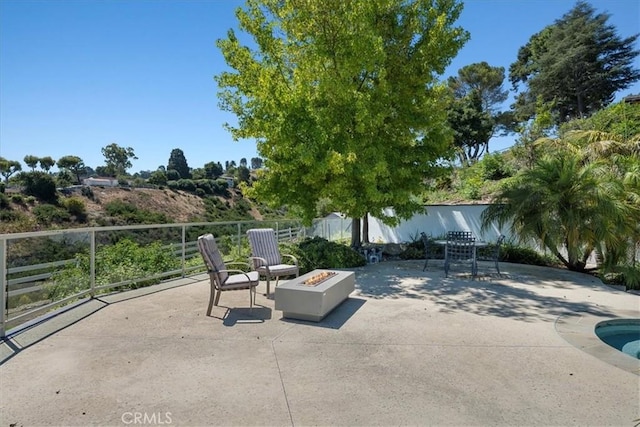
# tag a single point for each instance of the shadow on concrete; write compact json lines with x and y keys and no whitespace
{"x":243,"y":315}
{"x":337,"y":317}
{"x":29,"y":334}
{"x":510,"y":295}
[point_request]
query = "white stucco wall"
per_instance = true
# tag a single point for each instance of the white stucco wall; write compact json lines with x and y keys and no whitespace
{"x":436,"y":221}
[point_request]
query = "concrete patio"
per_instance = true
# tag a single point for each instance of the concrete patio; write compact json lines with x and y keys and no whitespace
{"x":407,"y":348}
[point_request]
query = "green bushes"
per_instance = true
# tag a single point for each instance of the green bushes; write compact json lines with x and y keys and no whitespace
{"x":48,"y":214}
{"x":40,"y":185}
{"x":523,"y":255}
{"x":321,"y":253}
{"x":4,"y":201}
{"x":123,"y":261}
{"x":76,"y":207}
{"x":130,"y":214}
{"x":625,"y":275}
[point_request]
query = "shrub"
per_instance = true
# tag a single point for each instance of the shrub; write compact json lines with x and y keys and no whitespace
{"x":321,"y":253}
{"x":494,"y":167}
{"x":88,"y":193}
{"x":76,"y":207}
{"x":125,"y":260}
{"x":17,"y":199}
{"x":625,"y":275}
{"x":186,"y":185}
{"x":158,"y":178}
{"x":4,"y":201}
{"x":48,"y":214}
{"x":523,"y":255}
{"x":130,"y":214}
{"x":40,"y":185}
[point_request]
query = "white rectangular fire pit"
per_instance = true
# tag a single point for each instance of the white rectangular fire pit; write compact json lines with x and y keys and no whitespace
{"x":313,"y":295}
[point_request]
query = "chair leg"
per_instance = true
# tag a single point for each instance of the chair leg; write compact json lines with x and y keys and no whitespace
{"x":268,"y":285}
{"x":212,"y":296}
{"x":218,"y":297}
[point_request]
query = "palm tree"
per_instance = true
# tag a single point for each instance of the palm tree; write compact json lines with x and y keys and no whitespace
{"x":574,"y":200}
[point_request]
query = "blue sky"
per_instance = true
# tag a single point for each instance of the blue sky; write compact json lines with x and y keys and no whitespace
{"x":77,"y":75}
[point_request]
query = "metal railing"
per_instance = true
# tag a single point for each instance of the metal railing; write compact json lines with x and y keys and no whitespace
{"x":30,"y":261}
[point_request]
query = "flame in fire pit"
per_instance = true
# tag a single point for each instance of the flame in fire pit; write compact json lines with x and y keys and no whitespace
{"x":319,"y":278}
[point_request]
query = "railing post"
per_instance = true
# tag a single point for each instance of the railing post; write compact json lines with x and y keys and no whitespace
{"x":184,"y":250}
{"x":92,"y":262}
{"x":239,"y":237}
{"x":4,"y":291}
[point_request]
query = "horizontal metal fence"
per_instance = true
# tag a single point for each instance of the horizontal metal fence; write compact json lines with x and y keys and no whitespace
{"x":29,"y":261}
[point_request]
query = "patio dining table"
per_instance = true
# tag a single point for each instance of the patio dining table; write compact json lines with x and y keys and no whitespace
{"x":476,"y":243}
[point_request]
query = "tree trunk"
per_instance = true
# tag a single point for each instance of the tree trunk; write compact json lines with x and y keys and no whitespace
{"x":355,"y":232}
{"x":365,"y":228}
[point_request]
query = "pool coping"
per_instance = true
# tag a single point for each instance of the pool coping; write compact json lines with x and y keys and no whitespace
{"x":578,"y":329}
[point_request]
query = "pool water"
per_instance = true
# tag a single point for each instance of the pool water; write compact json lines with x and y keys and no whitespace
{"x":621,"y":334}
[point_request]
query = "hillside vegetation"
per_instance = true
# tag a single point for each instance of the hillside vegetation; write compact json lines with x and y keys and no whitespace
{"x":102,"y":206}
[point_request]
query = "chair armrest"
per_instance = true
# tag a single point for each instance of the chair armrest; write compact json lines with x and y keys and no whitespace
{"x":232,"y":271}
{"x":245,"y":264}
{"x":295,"y":260}
{"x":258,"y":262}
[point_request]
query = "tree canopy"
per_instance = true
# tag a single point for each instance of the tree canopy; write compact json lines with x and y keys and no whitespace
{"x":73,"y":164}
{"x":9,"y":167}
{"x":178,"y":162}
{"x":31,"y":161}
{"x":575,"y":65}
{"x":343,"y":99}
{"x":117,"y":159}
{"x":475,"y":114}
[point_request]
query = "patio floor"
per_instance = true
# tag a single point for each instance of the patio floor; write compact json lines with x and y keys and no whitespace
{"x":407,"y":348}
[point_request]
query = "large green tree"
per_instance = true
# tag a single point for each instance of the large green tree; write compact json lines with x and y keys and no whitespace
{"x":117,"y":159}
{"x":472,"y":127}
{"x":46,"y":163}
{"x":343,"y":99}
{"x":9,"y":167}
{"x":73,"y":164}
{"x":475,"y":116}
{"x":576,"y":65}
{"x":213,"y":170}
{"x":31,"y":161}
{"x":178,"y":162}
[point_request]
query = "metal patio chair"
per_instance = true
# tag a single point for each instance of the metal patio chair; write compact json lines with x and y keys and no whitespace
{"x":266,"y":257}
{"x":221,"y":278}
{"x":426,"y":241}
{"x":492,"y":253}
{"x":460,"y":249}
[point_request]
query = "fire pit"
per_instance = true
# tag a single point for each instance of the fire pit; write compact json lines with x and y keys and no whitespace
{"x":319,"y":278}
{"x":313,"y":295}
